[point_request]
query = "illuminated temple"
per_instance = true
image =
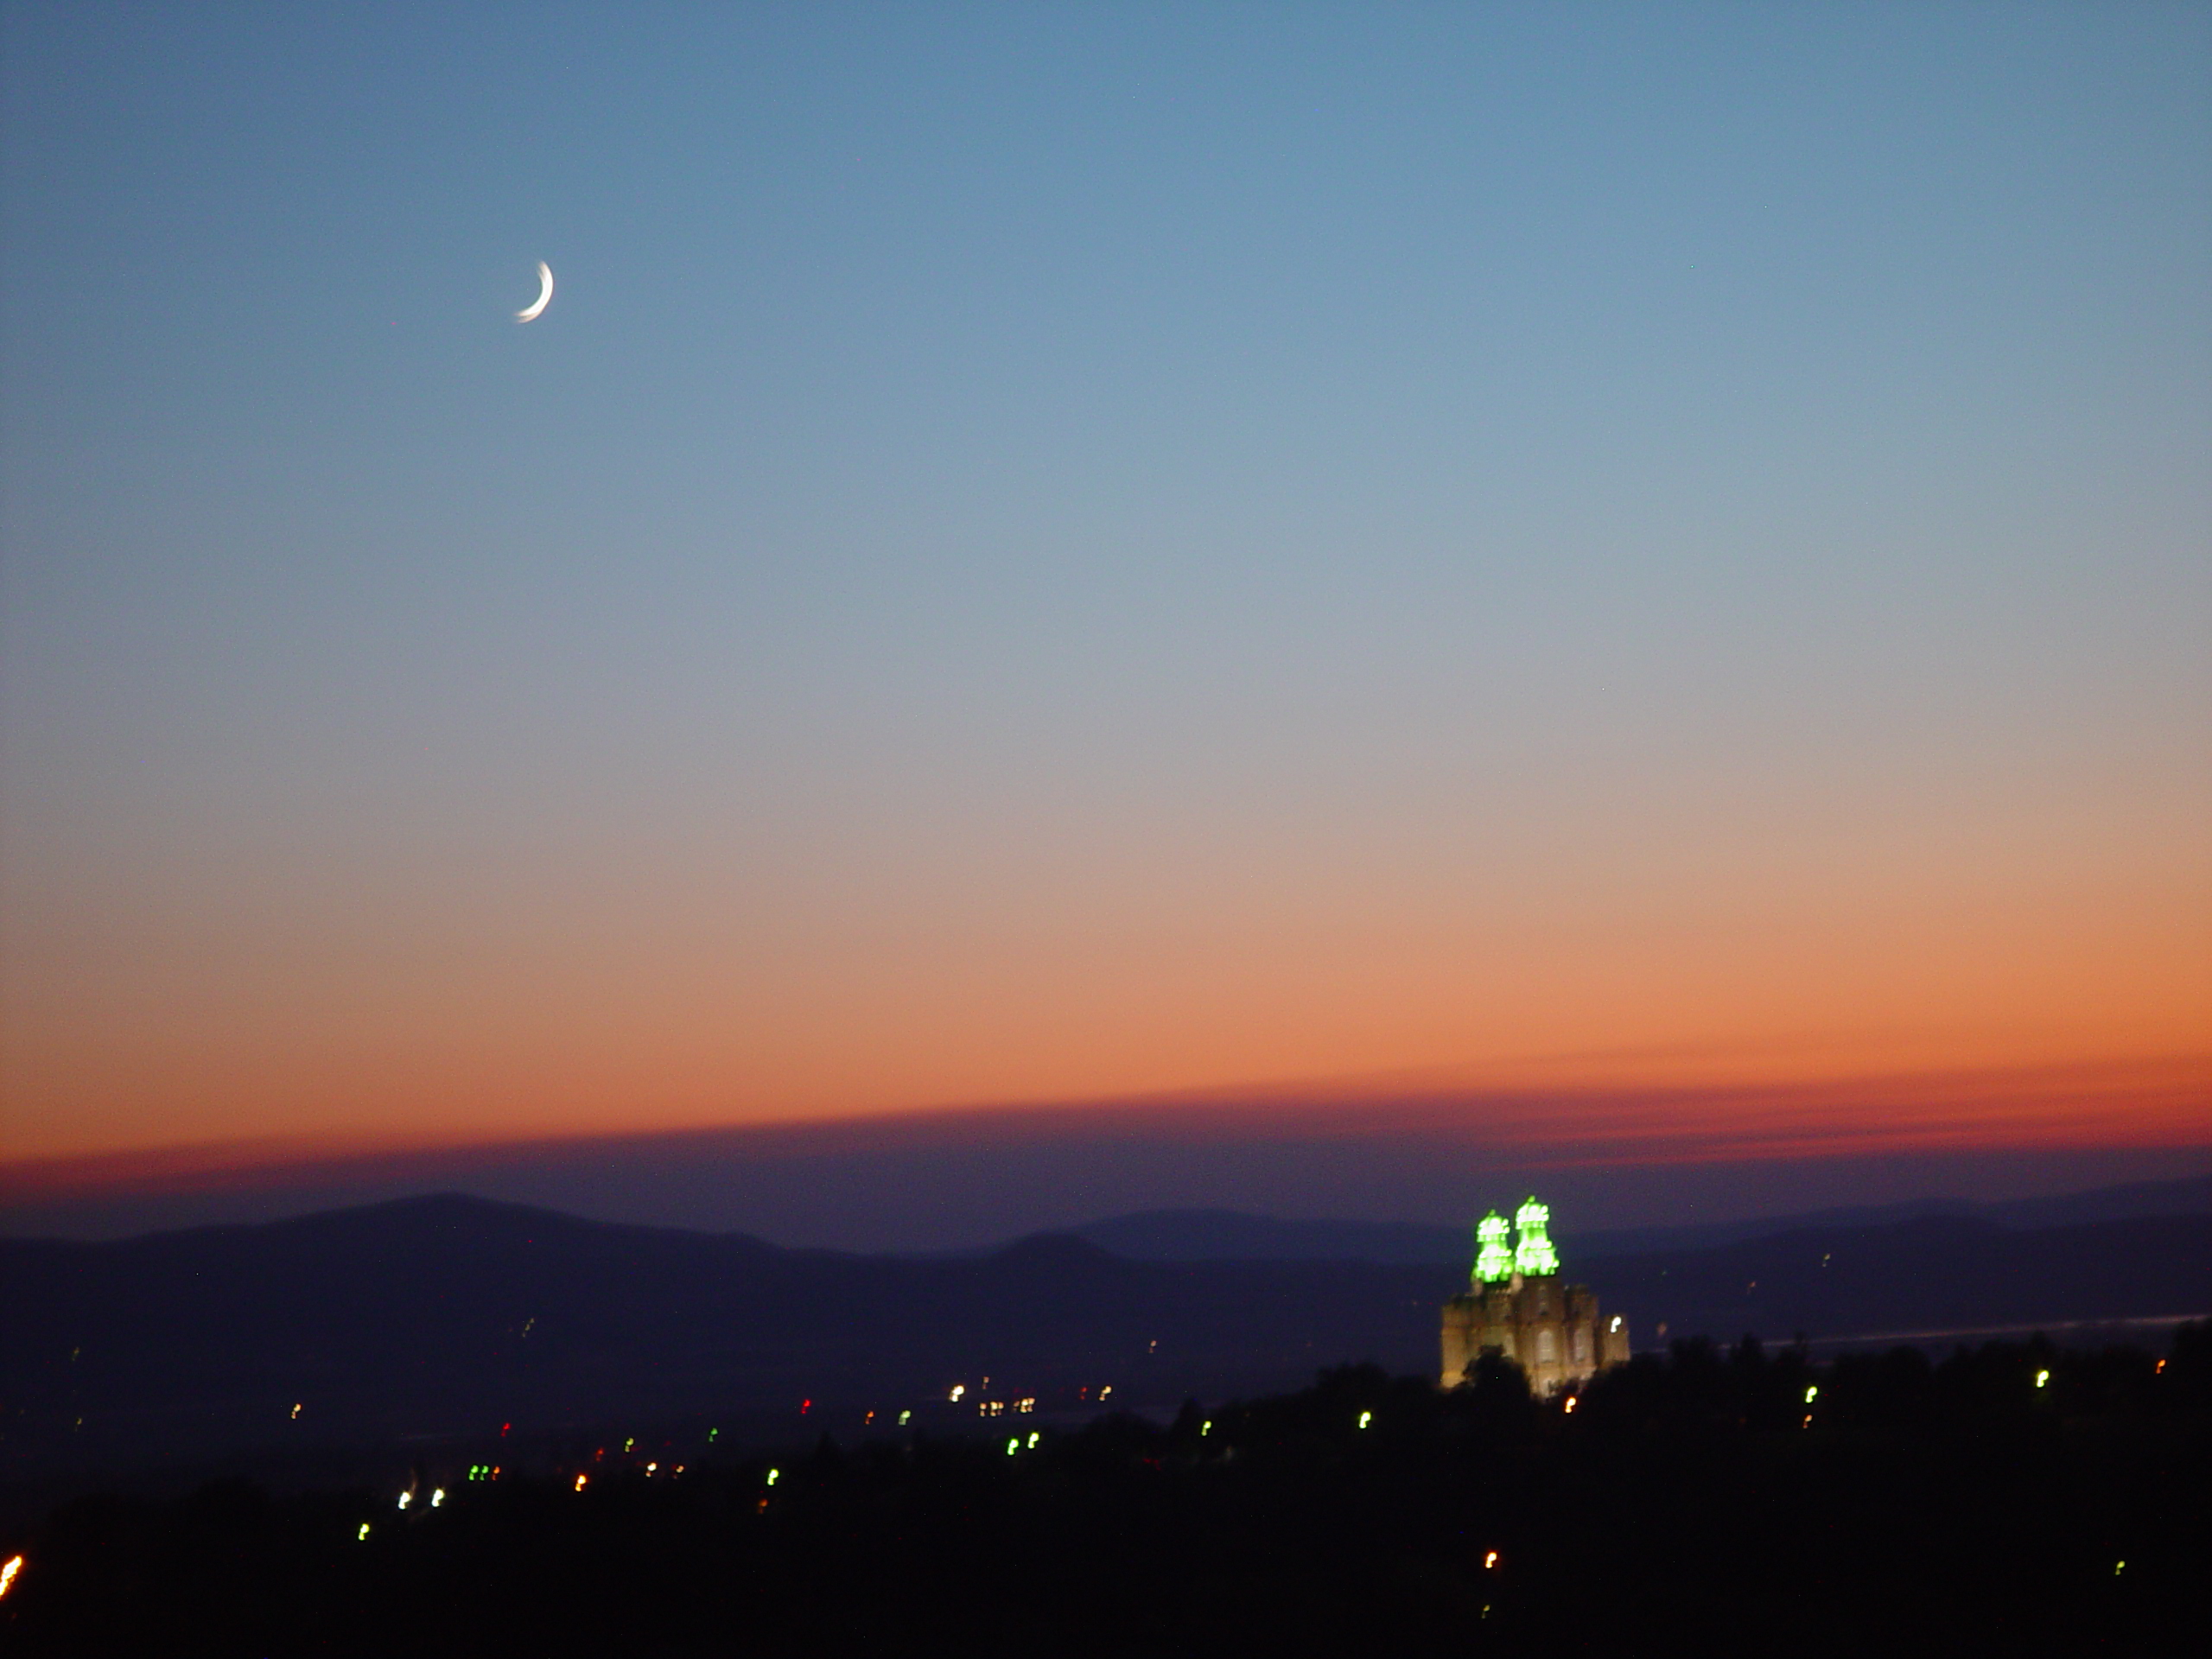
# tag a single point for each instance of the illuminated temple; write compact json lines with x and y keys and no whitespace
{"x":1517,"y":1305}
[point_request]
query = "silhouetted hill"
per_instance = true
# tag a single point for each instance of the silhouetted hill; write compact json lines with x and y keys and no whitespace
{"x":435,"y":1315}
{"x":2191,"y":1196}
{"x":1238,"y":1236}
{"x":1934,"y":1273}
{"x":1235,"y":1235}
{"x":448,"y":1315}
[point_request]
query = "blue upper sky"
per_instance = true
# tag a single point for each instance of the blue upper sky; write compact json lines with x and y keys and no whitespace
{"x":1294,"y":452}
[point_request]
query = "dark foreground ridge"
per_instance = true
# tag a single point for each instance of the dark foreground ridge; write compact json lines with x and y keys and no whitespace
{"x":2021,"y":1499}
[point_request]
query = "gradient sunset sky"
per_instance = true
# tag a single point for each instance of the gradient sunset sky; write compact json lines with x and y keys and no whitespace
{"x":1621,"y":576}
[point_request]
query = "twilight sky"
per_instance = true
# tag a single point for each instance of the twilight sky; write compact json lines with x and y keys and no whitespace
{"x":1534,"y":558}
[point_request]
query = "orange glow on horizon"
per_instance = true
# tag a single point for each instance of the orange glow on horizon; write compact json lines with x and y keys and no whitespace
{"x":1683,"y":996}
{"x":2142,"y":1105}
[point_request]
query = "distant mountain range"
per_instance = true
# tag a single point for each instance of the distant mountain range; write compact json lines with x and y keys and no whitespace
{"x":453,"y":1315}
{"x":443,"y":1315}
{"x":1234,"y":1236}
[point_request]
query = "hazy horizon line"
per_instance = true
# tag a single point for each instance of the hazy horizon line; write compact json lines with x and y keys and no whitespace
{"x":2124,"y":1103}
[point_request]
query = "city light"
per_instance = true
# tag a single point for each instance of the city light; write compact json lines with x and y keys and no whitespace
{"x":1013,"y":1446}
{"x":580,"y":1482}
{"x":1033,"y":1440}
{"x":2042,"y":1378}
{"x":650,"y":1469}
{"x":405,"y":1498}
{"x":437,"y":1495}
{"x":1365,"y":1417}
{"x":1570,"y":1404}
{"x":15,"y":1565}
{"x":2118,"y":1568}
{"x":903,"y":1418}
{"x":1207,"y":1427}
{"x":1810,"y":1393}
{"x":1490,"y":1560}
{"x":296,"y":1410}
{"x":773,"y":1473}
{"x":959,"y":1388}
{"x":364,"y":1534}
{"x":1108,"y":1390}
{"x":711,"y":1434}
{"x":1617,"y":1322}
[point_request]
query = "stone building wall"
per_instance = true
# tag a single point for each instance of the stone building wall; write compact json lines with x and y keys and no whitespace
{"x":1554,"y":1331}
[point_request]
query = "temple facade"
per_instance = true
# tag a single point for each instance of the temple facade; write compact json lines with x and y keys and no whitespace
{"x":1518,"y":1305}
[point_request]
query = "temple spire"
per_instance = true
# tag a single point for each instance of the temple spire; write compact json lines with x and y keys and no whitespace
{"x":1493,"y":1255}
{"x":1533,"y":1253}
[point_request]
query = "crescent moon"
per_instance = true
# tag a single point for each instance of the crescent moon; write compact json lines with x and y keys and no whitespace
{"x":544,"y":293}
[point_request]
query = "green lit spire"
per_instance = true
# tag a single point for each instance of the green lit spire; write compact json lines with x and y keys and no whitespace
{"x":1493,"y":1255}
{"x":1533,"y":1254}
